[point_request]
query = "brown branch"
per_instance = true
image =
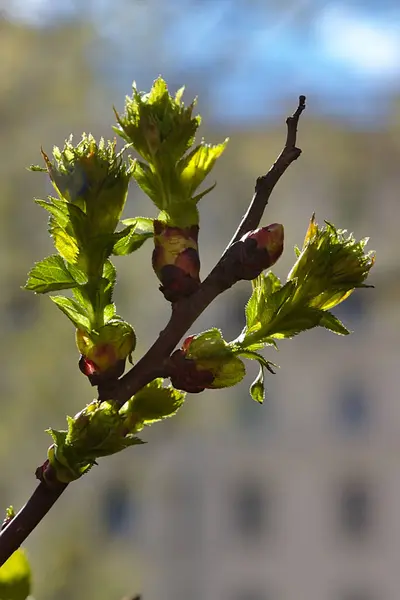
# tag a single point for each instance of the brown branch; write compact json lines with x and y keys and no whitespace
{"x":25,"y":521}
{"x":184,"y":314}
{"x":220,"y":279}
{"x":266,"y":183}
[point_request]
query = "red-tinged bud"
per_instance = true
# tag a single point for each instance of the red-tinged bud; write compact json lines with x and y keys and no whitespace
{"x":176,"y":260}
{"x":187,"y":375}
{"x":46,"y":473}
{"x":205,"y":362}
{"x":261,"y":249}
{"x":96,"y":376}
{"x":104,"y":352}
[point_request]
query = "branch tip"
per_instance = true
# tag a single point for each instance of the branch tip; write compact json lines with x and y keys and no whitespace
{"x":152,"y":363}
{"x":266,"y":183}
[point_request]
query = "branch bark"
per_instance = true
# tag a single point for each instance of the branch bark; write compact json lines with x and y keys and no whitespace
{"x":184,"y":314}
{"x":25,"y":521}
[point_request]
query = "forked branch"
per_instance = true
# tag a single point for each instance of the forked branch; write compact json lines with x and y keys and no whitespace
{"x":184,"y":314}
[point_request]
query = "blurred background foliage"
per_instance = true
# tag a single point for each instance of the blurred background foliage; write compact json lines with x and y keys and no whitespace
{"x":63,"y":65}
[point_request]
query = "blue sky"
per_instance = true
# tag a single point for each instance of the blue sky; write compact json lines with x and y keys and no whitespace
{"x":248,"y":53}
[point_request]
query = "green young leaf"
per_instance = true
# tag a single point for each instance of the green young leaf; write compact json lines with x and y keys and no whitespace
{"x":37,"y":169}
{"x":74,"y":312}
{"x":49,"y":275}
{"x":148,"y":181}
{"x":79,"y":276}
{"x":95,"y":298}
{"x":92,"y":177}
{"x":201,"y":195}
{"x":158,"y":124}
{"x":142,"y":224}
{"x":252,"y":355}
{"x":59,"y":437}
{"x":155,"y":402}
{"x":264,"y":301}
{"x":330,"y":265}
{"x":137,"y":232}
{"x":266,"y":311}
{"x":207,"y":345}
{"x":97,"y":251}
{"x":195,"y":166}
{"x":98,"y":430}
{"x":106,"y":286}
{"x":58,"y":212}
{"x":68,"y":217}
{"x":114,"y":447}
{"x":110,"y":273}
{"x":162,"y":129}
{"x":212,"y":354}
{"x":109,"y":312}
{"x":329,"y":321}
{"x":257,"y":390}
{"x":276,"y":312}
{"x":229,"y":371}
{"x":65,"y":244}
{"x":296,"y":320}
{"x":10,"y":513}
{"x":81,"y":295}
{"x":15,"y":577}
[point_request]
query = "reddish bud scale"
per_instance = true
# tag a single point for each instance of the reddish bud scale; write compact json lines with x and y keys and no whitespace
{"x":260,"y":250}
{"x":103,"y":353}
{"x":176,"y":260}
{"x":98,"y":376}
{"x":187,"y":375}
{"x":194,"y":372}
{"x":46,"y":473}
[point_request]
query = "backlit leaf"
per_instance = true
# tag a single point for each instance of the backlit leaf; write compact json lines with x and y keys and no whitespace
{"x":49,"y":275}
{"x":15,"y":577}
{"x":73,"y":310}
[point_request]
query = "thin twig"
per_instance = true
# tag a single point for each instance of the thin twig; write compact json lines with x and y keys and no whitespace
{"x":25,"y":521}
{"x":184,"y":314}
{"x":266,"y":183}
{"x":220,"y":279}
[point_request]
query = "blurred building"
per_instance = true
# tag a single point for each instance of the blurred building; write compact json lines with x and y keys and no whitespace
{"x":293,"y":500}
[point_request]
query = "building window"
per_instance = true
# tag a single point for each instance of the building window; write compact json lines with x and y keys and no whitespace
{"x":117,"y":508}
{"x":352,"y":405}
{"x":250,"y":510}
{"x":184,"y":513}
{"x":355,"y":509}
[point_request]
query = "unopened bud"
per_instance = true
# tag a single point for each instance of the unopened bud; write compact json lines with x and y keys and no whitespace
{"x":176,"y":260}
{"x":260,"y":249}
{"x":205,"y":362}
{"x":103,"y":353}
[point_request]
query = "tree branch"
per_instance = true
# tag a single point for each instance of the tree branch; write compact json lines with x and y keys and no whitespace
{"x":25,"y":521}
{"x":184,"y":314}
{"x":266,"y":183}
{"x":222,"y":277}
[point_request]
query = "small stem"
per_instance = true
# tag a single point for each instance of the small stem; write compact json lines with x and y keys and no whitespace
{"x":25,"y":521}
{"x":184,"y":314}
{"x":266,"y":183}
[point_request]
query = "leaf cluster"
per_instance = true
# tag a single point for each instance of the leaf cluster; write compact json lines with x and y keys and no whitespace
{"x":102,"y":429}
{"x":162,"y":131}
{"x":91,"y":184}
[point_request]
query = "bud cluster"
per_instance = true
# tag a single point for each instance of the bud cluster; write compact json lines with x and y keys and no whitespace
{"x":205,"y":361}
{"x":104,"y":352}
{"x":162,"y":130}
